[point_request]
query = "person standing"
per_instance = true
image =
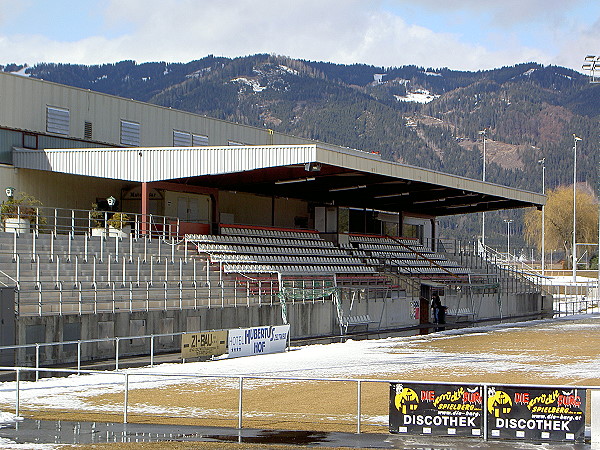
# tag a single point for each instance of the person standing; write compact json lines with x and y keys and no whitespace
{"x":436,"y":306}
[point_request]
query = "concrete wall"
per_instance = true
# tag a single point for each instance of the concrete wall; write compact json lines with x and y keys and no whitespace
{"x":308,"y":319}
{"x":490,"y":306}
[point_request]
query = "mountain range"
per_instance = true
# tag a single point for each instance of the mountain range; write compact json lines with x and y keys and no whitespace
{"x":427,"y":117}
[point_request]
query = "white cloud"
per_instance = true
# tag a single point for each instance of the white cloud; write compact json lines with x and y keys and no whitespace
{"x":576,"y":43}
{"x":9,"y":9}
{"x":343,"y":31}
{"x":501,"y":12}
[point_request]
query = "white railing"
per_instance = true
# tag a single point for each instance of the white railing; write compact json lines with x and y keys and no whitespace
{"x":79,"y":221}
{"x":118,"y":355}
{"x":129,"y":376}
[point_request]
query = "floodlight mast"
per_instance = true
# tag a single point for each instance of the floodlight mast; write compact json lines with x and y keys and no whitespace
{"x":592,"y":65}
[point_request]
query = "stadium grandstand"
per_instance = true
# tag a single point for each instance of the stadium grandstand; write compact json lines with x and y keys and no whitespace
{"x":123,"y":218}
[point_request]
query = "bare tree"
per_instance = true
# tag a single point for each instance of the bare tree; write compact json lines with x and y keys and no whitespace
{"x":559,"y":220}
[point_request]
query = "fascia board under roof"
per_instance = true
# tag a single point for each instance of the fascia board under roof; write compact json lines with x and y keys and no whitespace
{"x":162,"y":163}
{"x":393,"y":169}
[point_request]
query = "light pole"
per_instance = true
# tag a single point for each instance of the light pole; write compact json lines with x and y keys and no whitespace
{"x":543,"y":163}
{"x":574,"y":248}
{"x":508,"y":222}
{"x":482,"y":133}
{"x":592,"y":65}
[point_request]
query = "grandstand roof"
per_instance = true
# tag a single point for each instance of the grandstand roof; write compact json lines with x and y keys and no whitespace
{"x":317,"y":172}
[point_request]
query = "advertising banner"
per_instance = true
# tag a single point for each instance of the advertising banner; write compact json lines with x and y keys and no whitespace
{"x":540,"y":414}
{"x":208,"y":343}
{"x":257,"y":340}
{"x":436,"y":409}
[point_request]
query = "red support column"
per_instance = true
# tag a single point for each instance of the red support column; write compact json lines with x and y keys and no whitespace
{"x":145,"y":228}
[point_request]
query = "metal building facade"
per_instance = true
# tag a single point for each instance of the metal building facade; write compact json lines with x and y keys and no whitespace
{"x":96,"y":117}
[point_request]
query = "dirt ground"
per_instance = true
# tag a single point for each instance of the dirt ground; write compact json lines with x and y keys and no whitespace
{"x":331,"y":406}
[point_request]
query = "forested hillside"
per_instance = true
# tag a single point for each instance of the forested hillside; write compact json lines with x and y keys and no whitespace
{"x":420,"y":116}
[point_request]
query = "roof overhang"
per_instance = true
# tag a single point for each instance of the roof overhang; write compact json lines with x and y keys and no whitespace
{"x":326,"y":175}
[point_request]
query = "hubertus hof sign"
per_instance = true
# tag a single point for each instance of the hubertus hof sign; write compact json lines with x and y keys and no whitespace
{"x":257,"y":340}
{"x":498,"y":412}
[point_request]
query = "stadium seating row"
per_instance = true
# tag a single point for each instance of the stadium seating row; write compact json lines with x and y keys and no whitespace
{"x":268,"y":250}
{"x":253,"y":240}
{"x":296,"y":269}
{"x":283,"y":259}
{"x":269,"y":232}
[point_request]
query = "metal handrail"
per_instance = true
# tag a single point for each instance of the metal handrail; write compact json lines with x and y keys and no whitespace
{"x":69,"y":221}
{"x":240,"y":378}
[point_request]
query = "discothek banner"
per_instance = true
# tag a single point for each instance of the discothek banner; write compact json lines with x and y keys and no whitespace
{"x":496,"y":412}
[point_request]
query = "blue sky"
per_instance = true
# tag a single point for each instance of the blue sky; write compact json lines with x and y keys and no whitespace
{"x":459,"y":34}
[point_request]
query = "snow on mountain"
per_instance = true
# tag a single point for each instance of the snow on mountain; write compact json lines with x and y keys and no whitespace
{"x":22,"y":72}
{"x":255,"y":85}
{"x":418,"y":96}
{"x":288,"y":70}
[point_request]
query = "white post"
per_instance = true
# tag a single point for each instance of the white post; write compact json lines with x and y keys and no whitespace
{"x":152,"y":351}
{"x":108,"y":270}
{"x":85,"y":248}
{"x":240,"y":408}
{"x":358,"y":406}
{"x":483,"y":179}
{"x":543,"y":162}
{"x":76,"y":270}
{"x":117,"y":353}
{"x":52,"y":247}
{"x":17,"y":391}
{"x":94,"y":272}
{"x":574,"y":248}
{"x":595,"y":419}
{"x":33,"y":252}
{"x":126,"y":397}
{"x":57,"y":270}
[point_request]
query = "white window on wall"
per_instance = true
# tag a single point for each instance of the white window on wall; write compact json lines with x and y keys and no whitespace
{"x":199,"y":140}
{"x":130,"y":133}
{"x":182,"y":139}
{"x":57,"y":120}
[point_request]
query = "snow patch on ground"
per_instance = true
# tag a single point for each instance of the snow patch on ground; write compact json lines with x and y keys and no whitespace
{"x":288,"y":69}
{"x":7,"y":419}
{"x":373,"y":359}
{"x":419,"y":96}
{"x":255,"y":85}
{"x":22,"y":72}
